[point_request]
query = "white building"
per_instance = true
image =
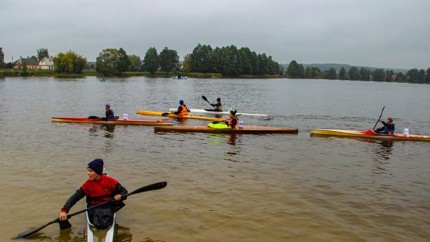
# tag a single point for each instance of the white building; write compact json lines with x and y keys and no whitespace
{"x":46,"y":64}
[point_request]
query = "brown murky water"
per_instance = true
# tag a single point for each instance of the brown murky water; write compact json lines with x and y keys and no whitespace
{"x":220,"y":187}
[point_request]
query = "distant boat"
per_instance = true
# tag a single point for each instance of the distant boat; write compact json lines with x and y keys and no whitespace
{"x":180,"y":77}
{"x":103,"y":80}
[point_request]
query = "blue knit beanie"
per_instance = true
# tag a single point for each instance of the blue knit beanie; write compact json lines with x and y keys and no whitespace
{"x":96,"y":165}
{"x":181,"y":102}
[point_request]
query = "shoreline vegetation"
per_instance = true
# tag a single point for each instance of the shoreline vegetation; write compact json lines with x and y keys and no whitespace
{"x":6,"y":72}
{"x":203,"y":62}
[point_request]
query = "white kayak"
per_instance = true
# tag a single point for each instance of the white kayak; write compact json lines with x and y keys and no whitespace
{"x":212,"y":111}
{"x":99,"y":235}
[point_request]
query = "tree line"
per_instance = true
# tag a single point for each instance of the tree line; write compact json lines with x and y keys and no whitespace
{"x":296,"y":70}
{"x":229,"y":61}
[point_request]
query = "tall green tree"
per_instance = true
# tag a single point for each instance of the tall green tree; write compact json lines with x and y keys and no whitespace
{"x":135,"y":63}
{"x":42,"y":53}
{"x":295,"y":70}
{"x":201,"y":59}
{"x":123,"y":62}
{"x":168,"y":60}
{"x":342,"y":74}
{"x":365,"y":74}
{"x":69,"y":62}
{"x":186,"y":64}
{"x":378,"y":75}
{"x":354,"y":73}
{"x":312,"y":72}
{"x":150,"y":61}
{"x":330,"y":74}
{"x":108,"y":61}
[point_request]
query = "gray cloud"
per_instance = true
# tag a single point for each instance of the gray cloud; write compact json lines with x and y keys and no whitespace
{"x":383,"y":33}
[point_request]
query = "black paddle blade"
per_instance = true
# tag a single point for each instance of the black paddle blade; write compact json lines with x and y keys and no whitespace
{"x":165,"y":114}
{"x":155,"y":186}
{"x":28,"y":233}
{"x":93,"y":117}
{"x":204,"y":98}
{"x":64,"y":224}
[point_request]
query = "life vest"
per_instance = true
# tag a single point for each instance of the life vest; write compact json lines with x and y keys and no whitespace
{"x":232,"y":124}
{"x":99,"y":191}
{"x":184,"y":110}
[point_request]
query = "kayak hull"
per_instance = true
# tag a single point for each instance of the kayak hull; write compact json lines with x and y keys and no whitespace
{"x":367,"y":134}
{"x":147,"y":122}
{"x":95,"y":235}
{"x":248,"y":129}
{"x":211,"y":111}
{"x":172,"y":115}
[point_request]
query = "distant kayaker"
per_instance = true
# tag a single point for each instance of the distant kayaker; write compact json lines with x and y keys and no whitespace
{"x":388,"y":127}
{"x":182,"y":109}
{"x":99,"y":188}
{"x":109,"y":112}
{"x":233,"y":119}
{"x":218,"y":105}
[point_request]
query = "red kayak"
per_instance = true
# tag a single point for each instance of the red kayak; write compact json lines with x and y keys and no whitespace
{"x":367,"y":134}
{"x":98,"y":120}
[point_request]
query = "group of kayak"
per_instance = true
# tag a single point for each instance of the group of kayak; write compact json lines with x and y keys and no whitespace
{"x":233,"y":125}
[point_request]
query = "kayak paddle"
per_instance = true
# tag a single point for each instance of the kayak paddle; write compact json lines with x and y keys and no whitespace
{"x":204,"y":98}
{"x":155,"y":186}
{"x":379,"y":118}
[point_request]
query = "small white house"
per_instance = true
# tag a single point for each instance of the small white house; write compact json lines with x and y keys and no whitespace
{"x":46,"y":64}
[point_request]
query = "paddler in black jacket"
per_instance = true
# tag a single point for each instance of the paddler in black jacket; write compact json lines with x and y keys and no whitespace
{"x":109,"y":112}
{"x":218,"y":105}
{"x":388,"y":127}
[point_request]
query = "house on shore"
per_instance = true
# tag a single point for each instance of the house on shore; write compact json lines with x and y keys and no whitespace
{"x":31,"y":63}
{"x":46,"y":64}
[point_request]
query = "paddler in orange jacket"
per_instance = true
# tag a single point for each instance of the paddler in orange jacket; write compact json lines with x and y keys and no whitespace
{"x":182,"y":109}
{"x":233,"y":120}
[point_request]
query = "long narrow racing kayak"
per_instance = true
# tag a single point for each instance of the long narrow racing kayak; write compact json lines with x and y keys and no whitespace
{"x":98,"y":120}
{"x":96,"y":235}
{"x":367,"y":134}
{"x":247,"y":129}
{"x":213,"y":111}
{"x":172,"y":115}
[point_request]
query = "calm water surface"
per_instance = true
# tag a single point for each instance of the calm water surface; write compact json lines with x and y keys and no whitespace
{"x":220,"y":187}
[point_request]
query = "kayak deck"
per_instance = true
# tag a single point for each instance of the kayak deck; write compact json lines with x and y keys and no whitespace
{"x":172,"y":115}
{"x":249,"y":129}
{"x":367,"y":134}
{"x":98,"y":120}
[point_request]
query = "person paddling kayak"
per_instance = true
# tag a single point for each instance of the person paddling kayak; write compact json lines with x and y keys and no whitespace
{"x":388,"y":127}
{"x":99,"y":188}
{"x":109,"y":112}
{"x":218,"y":105}
{"x":182,"y":109}
{"x":233,"y":119}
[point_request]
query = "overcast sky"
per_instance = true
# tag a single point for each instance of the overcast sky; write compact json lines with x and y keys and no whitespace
{"x":376,"y":33}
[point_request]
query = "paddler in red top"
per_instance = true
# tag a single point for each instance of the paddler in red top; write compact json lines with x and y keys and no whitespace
{"x":233,"y":120}
{"x":182,"y":109}
{"x":99,"y":188}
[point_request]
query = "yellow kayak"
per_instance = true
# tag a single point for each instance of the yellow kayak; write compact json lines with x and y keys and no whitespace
{"x":370,"y":134}
{"x":172,"y":115}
